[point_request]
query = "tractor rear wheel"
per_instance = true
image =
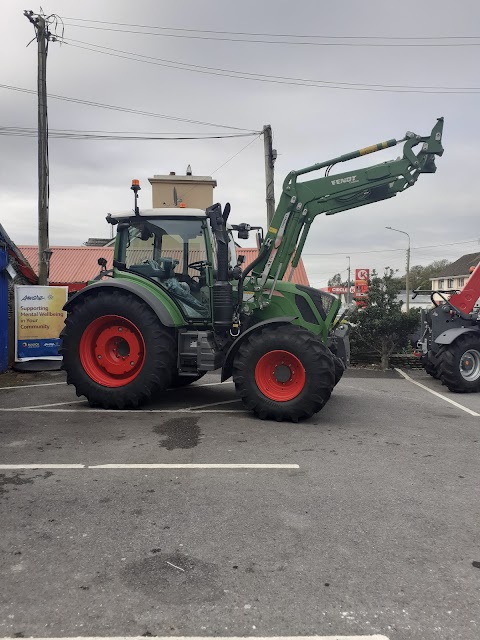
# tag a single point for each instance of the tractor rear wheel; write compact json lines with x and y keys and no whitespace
{"x":116,"y":352}
{"x":459,"y":364}
{"x":283,"y":373}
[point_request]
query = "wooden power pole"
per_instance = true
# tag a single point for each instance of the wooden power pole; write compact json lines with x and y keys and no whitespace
{"x":270,"y":157}
{"x":42,"y":37}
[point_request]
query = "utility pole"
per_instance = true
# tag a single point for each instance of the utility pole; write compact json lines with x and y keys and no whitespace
{"x":42,"y":36}
{"x":407,"y":275}
{"x":348,"y":282}
{"x":270,"y":157}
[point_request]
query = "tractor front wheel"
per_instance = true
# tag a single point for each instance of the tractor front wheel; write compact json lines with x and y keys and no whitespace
{"x":339,"y":368}
{"x":283,"y":373}
{"x":459,"y":364}
{"x":115,"y":351}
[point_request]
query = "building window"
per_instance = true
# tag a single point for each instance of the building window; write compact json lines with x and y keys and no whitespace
{"x":450,"y":283}
{"x":440,"y":284}
{"x":461,"y":282}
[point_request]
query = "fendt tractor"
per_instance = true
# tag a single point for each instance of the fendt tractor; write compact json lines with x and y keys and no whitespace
{"x":178,"y":303}
{"x":450,"y":342}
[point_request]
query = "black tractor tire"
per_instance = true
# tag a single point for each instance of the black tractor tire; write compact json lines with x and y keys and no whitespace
{"x":307,"y":358}
{"x":455,"y":360}
{"x":179,"y":380}
{"x":430,"y":367}
{"x":339,"y":368}
{"x":131,"y":334}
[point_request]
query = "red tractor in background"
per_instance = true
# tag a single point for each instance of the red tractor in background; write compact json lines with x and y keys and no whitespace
{"x":450,"y":343}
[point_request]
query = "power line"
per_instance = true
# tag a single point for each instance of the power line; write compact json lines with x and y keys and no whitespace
{"x":275,"y":35}
{"x":259,"y":77}
{"x":431,"y":246}
{"x":101,"y":105}
{"x":30,"y":132}
{"x":289,"y":42}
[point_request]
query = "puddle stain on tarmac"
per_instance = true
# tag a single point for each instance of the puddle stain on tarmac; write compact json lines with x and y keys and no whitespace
{"x":179,"y":433}
{"x":174,"y":578}
{"x":18,"y":479}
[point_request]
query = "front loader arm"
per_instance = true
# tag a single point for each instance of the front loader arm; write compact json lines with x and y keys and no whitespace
{"x":301,"y":202}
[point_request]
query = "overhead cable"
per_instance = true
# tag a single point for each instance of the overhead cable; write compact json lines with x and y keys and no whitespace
{"x":111,"y":107}
{"x":258,"y":77}
{"x":274,"y":35}
{"x":475,"y":42}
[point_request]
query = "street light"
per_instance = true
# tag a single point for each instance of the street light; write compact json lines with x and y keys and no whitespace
{"x":348,"y":282}
{"x":407,"y":277}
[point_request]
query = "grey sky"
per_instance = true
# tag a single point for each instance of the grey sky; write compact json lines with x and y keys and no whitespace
{"x":90,"y":178}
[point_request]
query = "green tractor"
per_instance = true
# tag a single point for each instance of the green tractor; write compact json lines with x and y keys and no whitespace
{"x":178,"y":303}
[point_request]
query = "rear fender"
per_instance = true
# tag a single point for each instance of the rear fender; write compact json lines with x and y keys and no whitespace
{"x":143,"y":294}
{"x":450,"y":335}
{"x":228,"y":363}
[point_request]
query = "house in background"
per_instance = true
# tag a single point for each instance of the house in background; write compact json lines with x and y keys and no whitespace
{"x":455,"y":275}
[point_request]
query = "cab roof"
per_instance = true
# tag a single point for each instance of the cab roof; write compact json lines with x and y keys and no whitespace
{"x":162,"y":212}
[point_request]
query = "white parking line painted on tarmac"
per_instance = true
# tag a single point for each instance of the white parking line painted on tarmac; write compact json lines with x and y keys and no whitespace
{"x":42,"y":466}
{"x":52,"y":404}
{"x":435,"y":393}
{"x":206,"y":384}
{"x":29,"y":386}
{"x":213,"y":404}
{"x":195,"y":466}
{"x":172,"y":465}
{"x":127,"y":411}
{"x":336,"y":637}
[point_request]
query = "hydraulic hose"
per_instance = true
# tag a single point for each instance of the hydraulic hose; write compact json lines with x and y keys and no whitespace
{"x":246,"y":271}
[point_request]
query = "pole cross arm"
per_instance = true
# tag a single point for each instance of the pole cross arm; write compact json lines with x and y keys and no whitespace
{"x":301,"y":202}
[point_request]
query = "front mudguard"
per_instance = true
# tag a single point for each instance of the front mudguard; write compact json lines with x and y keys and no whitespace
{"x":227,"y":368}
{"x":450,"y":335}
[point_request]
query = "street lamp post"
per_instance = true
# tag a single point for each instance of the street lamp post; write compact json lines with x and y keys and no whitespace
{"x":348,"y":282}
{"x":407,"y":277}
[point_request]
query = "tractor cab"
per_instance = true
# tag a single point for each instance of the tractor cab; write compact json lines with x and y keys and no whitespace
{"x":172,"y":248}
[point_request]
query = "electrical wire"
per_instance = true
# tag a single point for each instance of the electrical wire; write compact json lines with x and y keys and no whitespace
{"x":273,"y":35}
{"x":289,"y":42}
{"x":259,"y":77}
{"x":431,"y":246}
{"x":101,"y":105}
{"x":30,"y":132}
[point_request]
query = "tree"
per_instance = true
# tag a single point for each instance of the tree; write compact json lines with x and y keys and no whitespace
{"x":381,"y":325}
{"x":336,"y":281}
{"x":420,"y":275}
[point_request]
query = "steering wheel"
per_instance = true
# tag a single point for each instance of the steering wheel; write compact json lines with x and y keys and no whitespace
{"x":198,"y":265}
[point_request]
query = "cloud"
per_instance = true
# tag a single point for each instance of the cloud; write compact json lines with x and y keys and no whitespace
{"x":88,"y":178}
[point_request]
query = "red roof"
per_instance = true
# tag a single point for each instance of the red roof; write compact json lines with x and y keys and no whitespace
{"x":71,"y":265}
{"x":299,"y":275}
{"x":78,"y":265}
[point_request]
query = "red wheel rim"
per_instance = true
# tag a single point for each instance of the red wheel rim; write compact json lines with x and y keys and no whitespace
{"x":280,"y":376}
{"x":112,"y":351}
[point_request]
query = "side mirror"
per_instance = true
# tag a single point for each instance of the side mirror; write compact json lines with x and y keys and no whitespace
{"x":240,"y":260}
{"x":102,"y":262}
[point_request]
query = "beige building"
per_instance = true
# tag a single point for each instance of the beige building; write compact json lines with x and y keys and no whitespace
{"x":455,"y":275}
{"x":191,"y":191}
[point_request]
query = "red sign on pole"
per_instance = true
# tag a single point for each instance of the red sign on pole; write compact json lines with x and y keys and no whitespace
{"x":361,"y":276}
{"x":361,"y":285}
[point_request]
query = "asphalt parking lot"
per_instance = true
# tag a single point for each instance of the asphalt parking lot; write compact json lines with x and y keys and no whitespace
{"x":192,"y":518}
